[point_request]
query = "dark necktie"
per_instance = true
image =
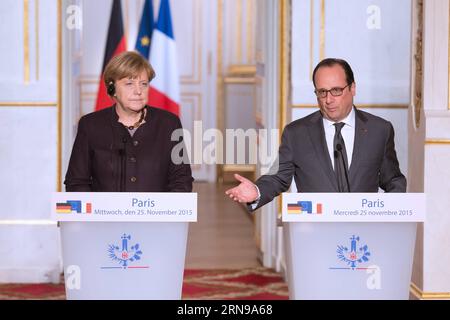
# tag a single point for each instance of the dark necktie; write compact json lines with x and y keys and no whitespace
{"x":340,"y":159}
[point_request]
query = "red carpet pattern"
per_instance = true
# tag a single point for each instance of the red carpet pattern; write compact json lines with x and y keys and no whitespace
{"x":248,"y":284}
{"x":239,"y":284}
{"x":41,"y":291}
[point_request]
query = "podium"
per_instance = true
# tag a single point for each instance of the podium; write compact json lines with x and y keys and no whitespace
{"x":124,"y":245}
{"x":354,"y":246}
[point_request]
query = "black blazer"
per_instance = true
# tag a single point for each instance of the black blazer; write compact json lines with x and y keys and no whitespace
{"x":303,"y":154}
{"x":106,"y":158}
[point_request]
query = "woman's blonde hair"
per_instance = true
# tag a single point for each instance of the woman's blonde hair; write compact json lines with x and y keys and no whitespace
{"x":125,"y":65}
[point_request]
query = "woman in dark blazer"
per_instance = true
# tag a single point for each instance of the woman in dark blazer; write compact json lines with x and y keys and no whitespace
{"x":128,"y":147}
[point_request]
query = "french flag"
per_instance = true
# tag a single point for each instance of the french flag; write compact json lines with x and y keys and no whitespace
{"x":165,"y":88}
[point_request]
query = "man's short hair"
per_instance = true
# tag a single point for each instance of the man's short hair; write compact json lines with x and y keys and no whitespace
{"x":329,"y":62}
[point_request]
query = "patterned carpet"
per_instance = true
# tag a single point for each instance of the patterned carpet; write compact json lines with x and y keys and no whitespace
{"x":248,"y":284}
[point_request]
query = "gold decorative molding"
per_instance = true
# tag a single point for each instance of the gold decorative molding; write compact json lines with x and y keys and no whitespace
{"x":89,"y":95}
{"x":219,"y":85}
{"x":284,"y":61}
{"x":322,"y":29}
{"x":311,"y":37}
{"x":239,"y":80}
{"x":437,"y":141}
{"x":26,"y":41}
{"x":284,"y":46}
{"x":418,"y":64}
{"x":242,"y":70}
{"x":59,"y":27}
{"x":362,"y":106}
{"x":304,"y":106}
{"x":418,"y":293}
{"x":247,"y":170}
{"x":239,"y":30}
{"x":36,"y":30}
{"x":250,"y":33}
{"x":88,"y":79}
{"x":28,"y":104}
{"x":239,"y":167}
{"x":383,"y":106}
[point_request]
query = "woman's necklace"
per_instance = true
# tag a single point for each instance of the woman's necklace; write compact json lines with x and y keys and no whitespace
{"x":139,"y":122}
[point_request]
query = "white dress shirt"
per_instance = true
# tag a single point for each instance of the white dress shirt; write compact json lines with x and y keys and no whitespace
{"x":348,"y":134}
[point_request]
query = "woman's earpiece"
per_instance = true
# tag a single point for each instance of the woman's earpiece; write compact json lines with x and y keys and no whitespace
{"x":111,"y":89}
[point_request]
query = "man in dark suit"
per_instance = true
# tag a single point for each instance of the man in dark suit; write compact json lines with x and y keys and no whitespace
{"x":336,"y":149}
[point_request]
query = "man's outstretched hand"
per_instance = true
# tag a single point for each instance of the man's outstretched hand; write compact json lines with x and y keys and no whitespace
{"x":245,"y":192}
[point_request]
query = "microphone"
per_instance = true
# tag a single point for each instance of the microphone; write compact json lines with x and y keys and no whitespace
{"x":339,"y":149}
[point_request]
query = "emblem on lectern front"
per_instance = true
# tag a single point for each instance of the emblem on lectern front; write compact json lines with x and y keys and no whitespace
{"x":354,"y":254}
{"x":125,"y":253}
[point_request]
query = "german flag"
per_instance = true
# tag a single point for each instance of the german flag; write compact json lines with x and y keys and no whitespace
{"x":115,"y":44}
{"x":63,"y":208}
{"x":294,"y":208}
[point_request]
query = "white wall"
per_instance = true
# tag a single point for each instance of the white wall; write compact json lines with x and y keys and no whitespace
{"x":29,"y":141}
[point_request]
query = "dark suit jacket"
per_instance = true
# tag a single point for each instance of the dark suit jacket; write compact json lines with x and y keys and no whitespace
{"x":303,"y":154}
{"x":106,"y":158}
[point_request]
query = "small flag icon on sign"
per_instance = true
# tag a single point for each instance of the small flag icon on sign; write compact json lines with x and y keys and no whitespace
{"x":74,"y":206}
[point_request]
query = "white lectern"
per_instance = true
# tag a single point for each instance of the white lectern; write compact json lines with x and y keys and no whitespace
{"x":124,"y":245}
{"x":350,"y":245}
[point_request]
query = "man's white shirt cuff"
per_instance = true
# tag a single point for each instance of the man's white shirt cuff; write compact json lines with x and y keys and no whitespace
{"x":254,"y":204}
